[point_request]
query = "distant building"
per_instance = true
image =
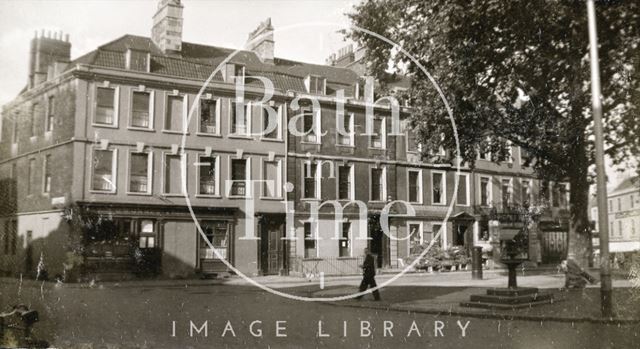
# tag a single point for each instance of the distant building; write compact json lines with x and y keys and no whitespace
{"x":624,"y":216}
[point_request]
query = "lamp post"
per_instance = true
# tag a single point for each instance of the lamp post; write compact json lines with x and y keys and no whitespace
{"x":603,"y":225}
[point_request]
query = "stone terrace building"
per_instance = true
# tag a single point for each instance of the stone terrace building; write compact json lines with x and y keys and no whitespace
{"x":118,"y":135}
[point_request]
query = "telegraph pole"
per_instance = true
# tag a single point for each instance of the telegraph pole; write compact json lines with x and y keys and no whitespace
{"x":606,"y":292}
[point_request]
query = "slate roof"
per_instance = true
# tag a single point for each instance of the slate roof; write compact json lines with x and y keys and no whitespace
{"x":197,"y":61}
{"x":629,"y":183}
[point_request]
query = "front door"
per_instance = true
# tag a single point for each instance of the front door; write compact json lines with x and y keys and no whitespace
{"x":271,"y":251}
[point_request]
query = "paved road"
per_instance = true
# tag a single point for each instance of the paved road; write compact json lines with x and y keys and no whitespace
{"x":143,"y":317}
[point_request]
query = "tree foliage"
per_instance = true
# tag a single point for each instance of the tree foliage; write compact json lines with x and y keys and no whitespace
{"x":519,"y":71}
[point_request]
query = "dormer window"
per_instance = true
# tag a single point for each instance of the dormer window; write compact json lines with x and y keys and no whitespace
{"x":239,"y":72}
{"x":316,"y":84}
{"x":359,"y":89}
{"x":137,"y":60}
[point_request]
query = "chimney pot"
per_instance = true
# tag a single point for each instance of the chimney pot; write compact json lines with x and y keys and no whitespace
{"x":166,"y":32}
{"x":261,"y":41}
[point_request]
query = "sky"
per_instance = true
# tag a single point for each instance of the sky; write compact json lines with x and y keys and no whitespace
{"x":226,"y":23}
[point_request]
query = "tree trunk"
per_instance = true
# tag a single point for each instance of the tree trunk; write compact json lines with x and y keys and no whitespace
{"x":579,"y":232}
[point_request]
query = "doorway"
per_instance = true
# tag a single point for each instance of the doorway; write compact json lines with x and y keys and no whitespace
{"x":272,"y":246}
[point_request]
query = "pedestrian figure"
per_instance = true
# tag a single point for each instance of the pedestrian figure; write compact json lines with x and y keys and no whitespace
{"x":575,"y":277}
{"x":368,"y":275}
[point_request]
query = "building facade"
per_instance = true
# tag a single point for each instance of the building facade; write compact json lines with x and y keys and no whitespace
{"x":138,"y":158}
{"x":624,"y":216}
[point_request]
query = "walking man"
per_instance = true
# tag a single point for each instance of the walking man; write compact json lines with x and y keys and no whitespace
{"x":368,"y":275}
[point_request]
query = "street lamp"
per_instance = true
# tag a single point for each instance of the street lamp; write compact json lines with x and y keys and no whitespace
{"x":603,"y":225}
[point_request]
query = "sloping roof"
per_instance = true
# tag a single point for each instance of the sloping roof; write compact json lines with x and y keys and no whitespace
{"x":629,"y":183}
{"x":198,"y":61}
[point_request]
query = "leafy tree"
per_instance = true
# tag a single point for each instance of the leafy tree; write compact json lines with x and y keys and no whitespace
{"x":517,"y":70}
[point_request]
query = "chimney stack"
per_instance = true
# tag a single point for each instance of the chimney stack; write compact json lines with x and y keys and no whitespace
{"x":264,"y":46}
{"x":167,"y":26}
{"x":46,"y":51}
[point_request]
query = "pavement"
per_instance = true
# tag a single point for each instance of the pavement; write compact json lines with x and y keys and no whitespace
{"x":142,"y":314}
{"x":459,"y":287}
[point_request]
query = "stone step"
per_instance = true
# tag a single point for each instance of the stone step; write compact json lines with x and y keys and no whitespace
{"x":505,"y":306}
{"x":527,"y":298}
{"x":510,"y":292}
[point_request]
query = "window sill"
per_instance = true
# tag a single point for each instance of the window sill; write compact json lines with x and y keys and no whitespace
{"x":143,"y":129}
{"x":204,"y":134}
{"x":138,"y":194}
{"x":175,"y":132}
{"x":208,"y":196}
{"x":438,"y":204}
{"x":174,"y":195}
{"x":47,"y":135}
{"x":33,"y":138}
{"x":275,"y":140}
{"x":310,"y":143}
{"x":345,"y":145}
{"x":377,"y":148}
{"x":239,"y":136}
{"x":236,"y":197}
{"x":93,"y":191}
{"x":309,"y":199}
{"x":416,"y":202}
{"x":270,"y":198}
{"x":104,"y":125}
{"x":377,"y":201}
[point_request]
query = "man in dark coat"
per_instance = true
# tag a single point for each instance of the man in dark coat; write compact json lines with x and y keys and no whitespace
{"x":368,"y":275}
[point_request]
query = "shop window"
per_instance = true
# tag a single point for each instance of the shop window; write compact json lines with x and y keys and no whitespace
{"x":147,"y":234}
{"x":217,"y":234}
